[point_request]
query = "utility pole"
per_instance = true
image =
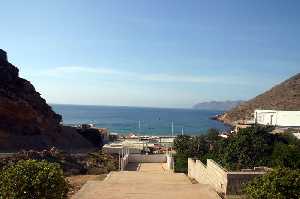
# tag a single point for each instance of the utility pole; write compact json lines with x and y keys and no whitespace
{"x":139,"y":133}
{"x":172,"y":128}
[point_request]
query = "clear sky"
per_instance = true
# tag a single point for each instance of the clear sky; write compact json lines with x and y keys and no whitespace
{"x":163,"y":53}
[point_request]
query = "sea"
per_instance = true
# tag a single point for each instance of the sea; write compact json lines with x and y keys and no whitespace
{"x":140,"y":120}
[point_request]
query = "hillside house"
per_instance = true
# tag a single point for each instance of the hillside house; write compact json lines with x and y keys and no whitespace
{"x":277,"y":118}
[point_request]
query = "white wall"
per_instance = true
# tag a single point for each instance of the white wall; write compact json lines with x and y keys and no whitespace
{"x":170,"y":162}
{"x":277,"y":118}
{"x":212,"y":174}
{"x":124,"y":162}
{"x":139,"y":158}
{"x":288,"y":118}
{"x":218,"y":178}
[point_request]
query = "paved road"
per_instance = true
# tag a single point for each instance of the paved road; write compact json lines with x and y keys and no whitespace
{"x":145,"y":181}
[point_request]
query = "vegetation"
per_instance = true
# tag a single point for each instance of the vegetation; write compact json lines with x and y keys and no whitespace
{"x":32,"y":179}
{"x":281,"y":183}
{"x":251,"y":147}
{"x":91,"y":163}
{"x":100,"y":163}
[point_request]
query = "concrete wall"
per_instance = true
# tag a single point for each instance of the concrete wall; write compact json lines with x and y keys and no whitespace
{"x":111,"y":150}
{"x":124,"y":162}
{"x":197,"y":170}
{"x":217,"y":176}
{"x":223,"y":181}
{"x":139,"y":158}
{"x":170,"y":162}
{"x":235,"y":180}
{"x":288,"y":118}
{"x":277,"y":118}
{"x":211,"y":174}
{"x":118,"y":149}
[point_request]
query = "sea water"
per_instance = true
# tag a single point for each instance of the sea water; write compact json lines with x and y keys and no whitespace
{"x":153,"y":121}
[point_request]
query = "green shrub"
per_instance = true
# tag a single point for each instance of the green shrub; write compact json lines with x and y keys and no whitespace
{"x":181,"y":163}
{"x":100,"y":163}
{"x":281,"y":183}
{"x":31,"y":179}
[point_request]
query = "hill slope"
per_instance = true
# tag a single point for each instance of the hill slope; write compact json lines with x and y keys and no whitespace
{"x":285,"y":96}
{"x":217,"y":105}
{"x":26,"y":120}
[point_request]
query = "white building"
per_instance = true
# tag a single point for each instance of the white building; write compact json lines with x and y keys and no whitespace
{"x":277,"y":118}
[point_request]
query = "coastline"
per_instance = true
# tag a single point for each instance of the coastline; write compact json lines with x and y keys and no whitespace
{"x":153,"y":121}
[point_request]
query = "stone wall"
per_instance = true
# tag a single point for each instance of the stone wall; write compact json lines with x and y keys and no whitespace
{"x":223,"y":181}
{"x":139,"y":158}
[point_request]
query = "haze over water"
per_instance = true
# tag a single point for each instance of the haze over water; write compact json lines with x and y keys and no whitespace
{"x":154,"y":121}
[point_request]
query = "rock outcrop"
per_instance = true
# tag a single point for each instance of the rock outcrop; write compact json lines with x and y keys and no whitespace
{"x":217,"y":105}
{"x":26,"y":120}
{"x":285,"y":96}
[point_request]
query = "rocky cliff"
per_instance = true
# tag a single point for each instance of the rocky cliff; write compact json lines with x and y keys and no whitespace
{"x":26,"y":120}
{"x":285,"y":96}
{"x":217,"y":105}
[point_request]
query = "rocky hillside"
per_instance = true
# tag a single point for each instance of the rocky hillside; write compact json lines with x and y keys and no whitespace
{"x":26,"y":120}
{"x":217,"y":105}
{"x":285,"y":96}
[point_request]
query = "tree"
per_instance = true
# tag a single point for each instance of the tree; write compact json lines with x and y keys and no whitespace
{"x":199,"y":147}
{"x":182,"y":144}
{"x":250,"y":147}
{"x":181,"y":163}
{"x":281,"y":183}
{"x":33,"y":179}
{"x":286,"y":155}
{"x":212,"y":135}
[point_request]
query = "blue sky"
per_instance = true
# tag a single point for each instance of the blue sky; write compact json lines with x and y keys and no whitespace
{"x":162,"y":53}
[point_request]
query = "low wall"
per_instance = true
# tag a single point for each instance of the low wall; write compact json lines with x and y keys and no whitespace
{"x":223,"y":181}
{"x":140,"y":158}
{"x":170,"y":162}
{"x":237,"y":179}
{"x":211,"y":174}
{"x":123,"y":162}
{"x":117,"y":150}
{"x":217,"y":176}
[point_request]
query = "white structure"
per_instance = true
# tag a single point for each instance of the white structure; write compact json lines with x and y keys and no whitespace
{"x":277,"y":118}
{"x":297,"y":135}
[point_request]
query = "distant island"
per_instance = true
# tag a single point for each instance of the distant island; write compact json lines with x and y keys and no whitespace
{"x":217,"y":105}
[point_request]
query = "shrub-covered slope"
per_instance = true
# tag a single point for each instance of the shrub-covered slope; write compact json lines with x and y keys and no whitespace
{"x":285,"y":96}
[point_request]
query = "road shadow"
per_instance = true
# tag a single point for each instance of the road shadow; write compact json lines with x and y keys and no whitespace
{"x":133,"y":167}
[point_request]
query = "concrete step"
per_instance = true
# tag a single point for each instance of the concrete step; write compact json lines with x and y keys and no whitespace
{"x":146,"y":177}
{"x":148,"y":181}
{"x":96,"y":189}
